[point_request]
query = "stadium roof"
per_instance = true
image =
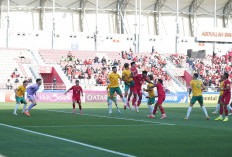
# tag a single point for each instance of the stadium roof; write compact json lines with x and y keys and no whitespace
{"x":206,"y":8}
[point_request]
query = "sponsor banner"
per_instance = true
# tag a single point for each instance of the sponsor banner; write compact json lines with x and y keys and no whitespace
{"x":172,"y":98}
{"x":101,"y":96}
{"x":210,"y":98}
{"x":214,"y":34}
{"x":44,"y":97}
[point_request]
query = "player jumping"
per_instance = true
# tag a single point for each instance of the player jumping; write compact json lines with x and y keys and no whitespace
{"x":31,"y":95}
{"x":114,"y":100}
{"x":114,"y":86}
{"x":77,"y":93}
{"x":129,"y":83}
{"x":20,"y":97}
{"x":150,"y":90}
{"x":134,"y":72}
{"x":137,"y":89}
{"x":196,"y":87}
{"x":161,"y":98}
{"x":225,"y":100}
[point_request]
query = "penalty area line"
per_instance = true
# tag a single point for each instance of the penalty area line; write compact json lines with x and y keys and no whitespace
{"x":67,"y":140}
{"x":129,"y":119}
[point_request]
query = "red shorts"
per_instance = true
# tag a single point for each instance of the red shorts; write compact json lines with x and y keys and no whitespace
{"x":225,"y":99}
{"x":137,"y":90}
{"x":160,"y":100}
{"x":76,"y":99}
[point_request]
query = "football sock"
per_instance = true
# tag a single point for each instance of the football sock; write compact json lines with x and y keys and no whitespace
{"x":188,"y":112}
{"x":124,"y":100}
{"x":205,"y":111}
{"x":74,"y":106}
{"x":226,"y":116}
{"x":221,"y":110}
{"x":16,"y":107}
{"x":161,"y":110}
{"x":133,"y":101}
{"x":28,"y":109}
{"x":139,"y":102}
{"x":80,"y":107}
{"x":150,"y":108}
{"x":217,"y":108}
{"x":110,"y":103}
{"x":24,"y":107}
{"x":226,"y":111}
{"x":154,"y":111}
{"x":220,"y":116}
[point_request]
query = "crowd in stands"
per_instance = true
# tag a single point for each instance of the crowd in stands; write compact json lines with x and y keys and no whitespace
{"x":15,"y":79}
{"x":98,"y":68}
{"x":210,"y":68}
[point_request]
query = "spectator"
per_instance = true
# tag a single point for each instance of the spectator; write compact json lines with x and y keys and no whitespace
{"x":62,"y":59}
{"x":103,"y":61}
{"x":96,"y":60}
{"x":115,"y":63}
{"x":152,"y":49}
{"x":9,"y":85}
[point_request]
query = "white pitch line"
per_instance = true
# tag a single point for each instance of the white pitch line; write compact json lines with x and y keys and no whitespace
{"x":136,"y":120}
{"x":71,"y":126}
{"x":67,"y":140}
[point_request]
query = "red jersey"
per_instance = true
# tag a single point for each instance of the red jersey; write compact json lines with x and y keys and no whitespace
{"x":134,"y":71}
{"x":76,"y":91}
{"x":225,"y":85}
{"x":139,"y":80}
{"x":160,"y":89}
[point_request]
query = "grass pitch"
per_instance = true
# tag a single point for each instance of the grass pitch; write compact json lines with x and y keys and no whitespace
{"x":52,"y":130}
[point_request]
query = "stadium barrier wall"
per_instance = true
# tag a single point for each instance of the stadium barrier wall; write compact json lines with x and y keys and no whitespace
{"x":101,"y":96}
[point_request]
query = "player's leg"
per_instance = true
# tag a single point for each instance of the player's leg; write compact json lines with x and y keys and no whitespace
{"x":139,"y":101}
{"x":154,"y":111}
{"x":226,"y":112}
{"x":218,"y":105}
{"x":126,"y":94}
{"x":149,"y":104}
{"x":33,"y":103}
{"x":129,"y":96}
{"x":118,"y":90}
{"x":25,"y":104}
{"x":112,"y":91}
{"x":80,"y":107}
{"x":116,"y":104}
{"x":225,"y":104}
{"x":221,"y":109}
{"x":160,"y":102}
{"x":17,"y":105}
{"x":134,"y":99}
{"x":192,"y":102}
{"x":74,"y":105}
{"x":200,"y":100}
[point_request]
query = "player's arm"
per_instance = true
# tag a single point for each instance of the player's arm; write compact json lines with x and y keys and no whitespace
{"x":123,"y":76}
{"x":16,"y":90}
{"x":225,"y":89}
{"x":68,"y":90}
{"x":190,"y":90}
{"x":151,"y":87}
